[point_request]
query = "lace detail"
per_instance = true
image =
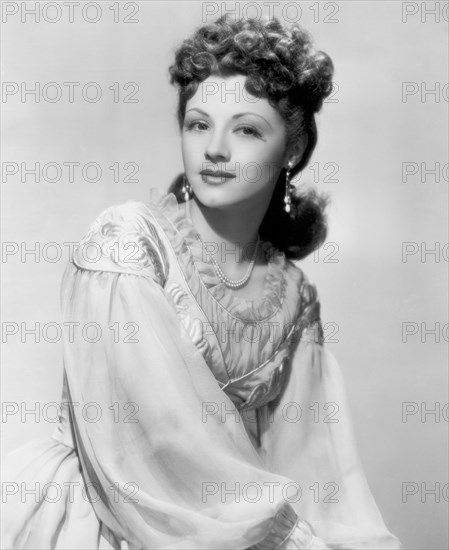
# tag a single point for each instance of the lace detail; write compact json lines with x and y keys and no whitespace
{"x":190,"y":251}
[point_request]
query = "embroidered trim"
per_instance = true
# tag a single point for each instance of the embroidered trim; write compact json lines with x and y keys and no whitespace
{"x":124,"y":241}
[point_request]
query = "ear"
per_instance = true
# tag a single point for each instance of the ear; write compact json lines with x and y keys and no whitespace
{"x":295,"y":152}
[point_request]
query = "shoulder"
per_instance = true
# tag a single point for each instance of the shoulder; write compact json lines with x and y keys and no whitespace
{"x":124,"y":238}
{"x":307,"y":291}
{"x":308,"y":313}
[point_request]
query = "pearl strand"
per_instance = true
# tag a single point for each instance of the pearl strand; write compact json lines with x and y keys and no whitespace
{"x":230,"y":283}
{"x":220,"y":273}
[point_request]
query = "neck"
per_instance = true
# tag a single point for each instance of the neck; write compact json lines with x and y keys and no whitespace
{"x":232,"y":234}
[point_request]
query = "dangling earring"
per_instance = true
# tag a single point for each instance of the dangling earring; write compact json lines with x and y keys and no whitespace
{"x":288,"y":186}
{"x":186,"y":189}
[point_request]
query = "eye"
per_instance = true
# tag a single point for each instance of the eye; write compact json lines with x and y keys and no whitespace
{"x":196,"y":125}
{"x":249,"y":131}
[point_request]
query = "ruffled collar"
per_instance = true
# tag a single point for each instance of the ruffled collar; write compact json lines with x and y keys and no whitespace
{"x":200,"y":273}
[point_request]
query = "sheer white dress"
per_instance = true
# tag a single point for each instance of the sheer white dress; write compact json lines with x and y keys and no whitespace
{"x":198,"y":419}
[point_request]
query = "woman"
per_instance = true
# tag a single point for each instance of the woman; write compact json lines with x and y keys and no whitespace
{"x":203,"y":410}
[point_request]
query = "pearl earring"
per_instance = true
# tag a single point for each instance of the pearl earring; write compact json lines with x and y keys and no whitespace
{"x":288,"y":187}
{"x":186,"y":189}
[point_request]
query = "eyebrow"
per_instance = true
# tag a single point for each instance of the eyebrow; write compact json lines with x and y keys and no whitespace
{"x":234,"y":117}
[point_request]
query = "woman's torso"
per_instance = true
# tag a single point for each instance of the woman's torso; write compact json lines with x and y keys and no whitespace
{"x":246,"y":343}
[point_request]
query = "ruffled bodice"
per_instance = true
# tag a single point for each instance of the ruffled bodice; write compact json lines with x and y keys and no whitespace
{"x":201,"y":274}
{"x":246,"y":343}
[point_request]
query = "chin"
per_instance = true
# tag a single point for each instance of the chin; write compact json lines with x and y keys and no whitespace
{"x":213,"y":196}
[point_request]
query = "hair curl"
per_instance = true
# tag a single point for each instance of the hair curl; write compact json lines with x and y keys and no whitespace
{"x":281,"y":66}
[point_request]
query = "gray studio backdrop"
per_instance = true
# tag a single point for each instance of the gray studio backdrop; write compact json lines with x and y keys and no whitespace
{"x":100,"y":129}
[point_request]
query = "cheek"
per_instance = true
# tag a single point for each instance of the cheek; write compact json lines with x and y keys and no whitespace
{"x":191,"y":145}
{"x":191,"y":156}
{"x":187,"y":150}
{"x":262,"y":169}
{"x":271,"y":163}
{"x":272,"y":149}
{"x":258,"y":152}
{"x":272,"y":159}
{"x":277,"y":150}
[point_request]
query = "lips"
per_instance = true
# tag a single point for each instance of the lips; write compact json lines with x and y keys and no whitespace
{"x":217,"y":174}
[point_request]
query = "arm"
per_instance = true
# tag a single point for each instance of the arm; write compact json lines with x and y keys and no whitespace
{"x":308,"y":437}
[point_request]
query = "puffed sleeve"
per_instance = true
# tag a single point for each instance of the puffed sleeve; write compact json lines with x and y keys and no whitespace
{"x":308,"y":437}
{"x":161,"y":472}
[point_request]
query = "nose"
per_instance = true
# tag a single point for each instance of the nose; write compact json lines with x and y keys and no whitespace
{"x":217,"y":149}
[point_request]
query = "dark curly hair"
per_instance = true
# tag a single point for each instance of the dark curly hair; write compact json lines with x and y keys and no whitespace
{"x":281,"y":66}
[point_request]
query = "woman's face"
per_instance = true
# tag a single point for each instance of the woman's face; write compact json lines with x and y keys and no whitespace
{"x":226,"y":129}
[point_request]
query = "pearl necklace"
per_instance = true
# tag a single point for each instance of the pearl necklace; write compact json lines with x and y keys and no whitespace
{"x":231,"y":283}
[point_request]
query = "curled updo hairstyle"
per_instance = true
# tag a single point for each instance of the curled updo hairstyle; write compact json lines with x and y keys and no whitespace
{"x":281,"y":66}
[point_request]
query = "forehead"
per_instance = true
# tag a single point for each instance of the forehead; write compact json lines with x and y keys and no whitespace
{"x":224,"y":96}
